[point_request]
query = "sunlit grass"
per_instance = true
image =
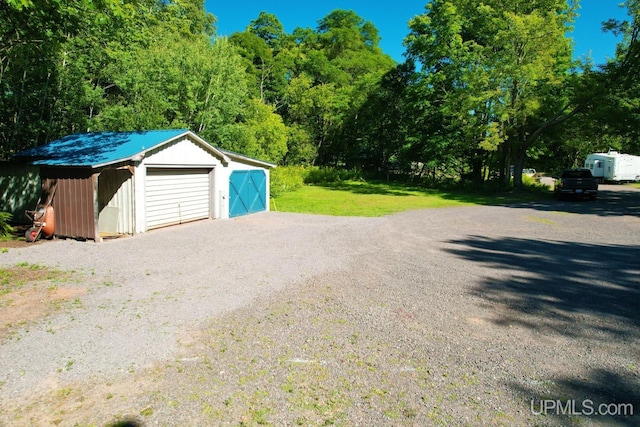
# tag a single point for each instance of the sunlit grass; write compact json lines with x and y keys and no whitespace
{"x":351,"y":198}
{"x":342,"y":201}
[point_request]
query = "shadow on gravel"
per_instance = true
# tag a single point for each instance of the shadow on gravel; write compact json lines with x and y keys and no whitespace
{"x":613,"y":201}
{"x":589,"y":292}
{"x":554,"y":283}
{"x":126,"y":423}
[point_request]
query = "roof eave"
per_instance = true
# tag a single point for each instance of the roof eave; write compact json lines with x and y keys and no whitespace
{"x":225,"y":157}
{"x":251,"y":160}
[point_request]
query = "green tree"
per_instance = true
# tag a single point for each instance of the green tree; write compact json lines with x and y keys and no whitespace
{"x":499,"y":70}
{"x":188,"y":18}
{"x":614,"y":101}
{"x":84,"y":65}
{"x":265,"y":67}
{"x":269,"y":28}
{"x":264,"y":135}
{"x":380,"y":124}
{"x":333,"y":69}
{"x":301,"y":149}
{"x":33,"y":34}
{"x":317,"y":108}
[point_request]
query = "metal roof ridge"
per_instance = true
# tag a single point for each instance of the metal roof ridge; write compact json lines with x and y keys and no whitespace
{"x":98,"y":149}
{"x":243,"y":156}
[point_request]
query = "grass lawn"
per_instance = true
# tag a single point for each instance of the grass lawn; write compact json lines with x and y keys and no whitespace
{"x":351,"y":198}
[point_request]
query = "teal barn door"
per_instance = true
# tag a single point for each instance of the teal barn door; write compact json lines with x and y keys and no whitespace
{"x":247,"y":192}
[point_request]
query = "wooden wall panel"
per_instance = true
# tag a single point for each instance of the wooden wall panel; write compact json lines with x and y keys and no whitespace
{"x":74,"y":202}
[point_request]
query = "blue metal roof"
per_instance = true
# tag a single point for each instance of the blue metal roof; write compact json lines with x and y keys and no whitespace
{"x":97,"y":148}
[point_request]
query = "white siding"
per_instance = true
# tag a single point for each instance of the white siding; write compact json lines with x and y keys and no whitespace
{"x":221,"y":200}
{"x":115,"y":191}
{"x":181,"y":153}
{"x":174,"y":196}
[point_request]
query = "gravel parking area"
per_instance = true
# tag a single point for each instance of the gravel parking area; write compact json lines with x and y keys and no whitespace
{"x":488,"y":315}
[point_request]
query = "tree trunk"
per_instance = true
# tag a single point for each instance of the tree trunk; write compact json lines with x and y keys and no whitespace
{"x":519,"y":154}
{"x":518,"y":165}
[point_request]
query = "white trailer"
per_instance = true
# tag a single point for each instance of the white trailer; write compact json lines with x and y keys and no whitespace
{"x":614,"y":166}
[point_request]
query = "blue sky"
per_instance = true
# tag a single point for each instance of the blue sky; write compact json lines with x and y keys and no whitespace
{"x":392,"y":17}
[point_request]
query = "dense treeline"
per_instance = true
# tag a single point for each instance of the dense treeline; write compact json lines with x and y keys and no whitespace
{"x":485,"y":85}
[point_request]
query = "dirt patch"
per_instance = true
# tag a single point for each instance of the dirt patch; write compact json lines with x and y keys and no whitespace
{"x":17,"y":239}
{"x":18,"y":243}
{"x":71,"y":404}
{"x":29,"y":293}
{"x":25,"y":306}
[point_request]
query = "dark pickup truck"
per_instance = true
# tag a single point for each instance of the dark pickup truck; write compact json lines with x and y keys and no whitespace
{"x":577,"y":183}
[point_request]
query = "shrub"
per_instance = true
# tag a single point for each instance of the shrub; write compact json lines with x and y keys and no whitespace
{"x":5,"y":228}
{"x":329,"y":175}
{"x":531,"y":183}
{"x":287,"y":178}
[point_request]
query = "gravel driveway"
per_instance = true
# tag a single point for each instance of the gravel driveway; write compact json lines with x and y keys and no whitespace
{"x":514,"y":315}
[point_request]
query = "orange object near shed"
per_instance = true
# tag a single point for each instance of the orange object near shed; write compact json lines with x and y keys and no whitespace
{"x":47,"y":216}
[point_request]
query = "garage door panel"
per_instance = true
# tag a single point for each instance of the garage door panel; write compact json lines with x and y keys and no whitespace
{"x":161,"y":181}
{"x":161,"y":197}
{"x":174,"y":196}
{"x":184,"y":208}
{"x":247,"y":192}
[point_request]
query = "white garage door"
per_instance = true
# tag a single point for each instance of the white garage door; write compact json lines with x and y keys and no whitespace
{"x":174,"y":196}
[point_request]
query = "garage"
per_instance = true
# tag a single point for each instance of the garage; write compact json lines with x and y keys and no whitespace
{"x":247,"y":192}
{"x":175,"y":196}
{"x":137,"y":181}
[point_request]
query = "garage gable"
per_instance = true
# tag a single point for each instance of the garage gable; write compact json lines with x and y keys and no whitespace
{"x":185,"y":152}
